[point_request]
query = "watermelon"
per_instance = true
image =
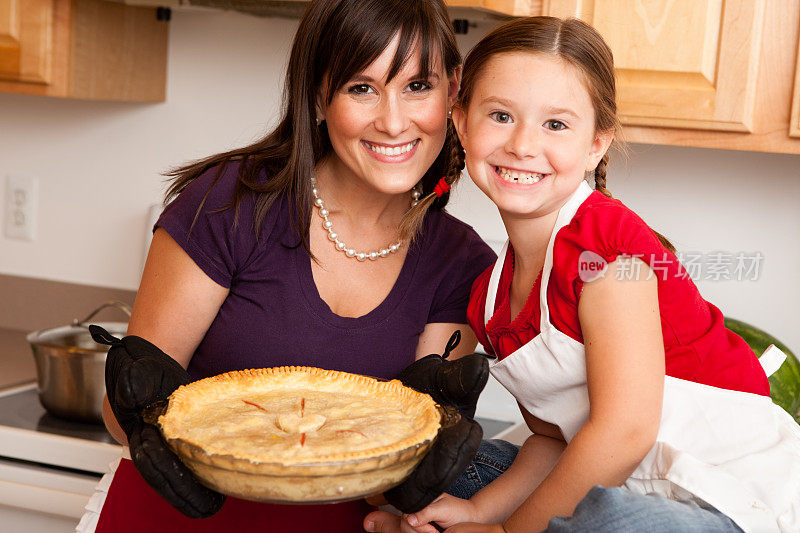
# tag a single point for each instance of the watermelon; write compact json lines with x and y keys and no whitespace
{"x":785,"y":383}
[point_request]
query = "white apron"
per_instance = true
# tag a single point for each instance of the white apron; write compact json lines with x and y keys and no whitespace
{"x":737,"y":451}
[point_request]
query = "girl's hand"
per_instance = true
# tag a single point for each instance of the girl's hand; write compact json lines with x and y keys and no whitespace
{"x":445,"y":511}
{"x":386,"y":522}
{"x":471,"y":527}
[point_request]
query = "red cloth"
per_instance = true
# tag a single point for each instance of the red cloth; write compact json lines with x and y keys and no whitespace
{"x":698,"y":346}
{"x":132,"y":506}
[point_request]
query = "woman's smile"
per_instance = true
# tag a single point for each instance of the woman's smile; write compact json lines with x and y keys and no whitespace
{"x":392,"y":153}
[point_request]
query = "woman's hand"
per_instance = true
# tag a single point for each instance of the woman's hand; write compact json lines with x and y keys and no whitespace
{"x":139,"y":374}
{"x":450,"y":455}
{"x":457,"y":381}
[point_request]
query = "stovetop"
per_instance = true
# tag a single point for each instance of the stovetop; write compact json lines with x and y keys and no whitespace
{"x":21,"y":409}
{"x":29,"y":433}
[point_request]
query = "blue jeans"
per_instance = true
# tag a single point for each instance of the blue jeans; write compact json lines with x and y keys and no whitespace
{"x":603,"y":509}
{"x":492,"y":459}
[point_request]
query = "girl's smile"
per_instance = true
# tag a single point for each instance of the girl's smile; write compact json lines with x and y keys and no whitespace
{"x":516,"y":178}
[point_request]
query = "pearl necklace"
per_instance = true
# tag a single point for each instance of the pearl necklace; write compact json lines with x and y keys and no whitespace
{"x":334,"y":237}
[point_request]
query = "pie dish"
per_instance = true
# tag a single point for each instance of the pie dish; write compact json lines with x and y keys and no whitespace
{"x":299,"y":434}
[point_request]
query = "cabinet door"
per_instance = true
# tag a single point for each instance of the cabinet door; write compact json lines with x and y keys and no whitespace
{"x":26,"y":28}
{"x":680,"y":63}
{"x":516,"y":8}
{"x":794,"y":124}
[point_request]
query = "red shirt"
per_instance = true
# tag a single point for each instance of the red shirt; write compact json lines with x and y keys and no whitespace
{"x":698,"y":346}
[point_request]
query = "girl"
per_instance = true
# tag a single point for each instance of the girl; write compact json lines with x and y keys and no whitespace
{"x":323,"y":244}
{"x":626,"y":376}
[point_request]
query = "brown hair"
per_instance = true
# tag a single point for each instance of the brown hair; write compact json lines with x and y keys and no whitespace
{"x":573,"y":41}
{"x":283,"y":162}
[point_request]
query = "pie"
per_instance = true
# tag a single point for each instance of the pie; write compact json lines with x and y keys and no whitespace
{"x":299,"y":434}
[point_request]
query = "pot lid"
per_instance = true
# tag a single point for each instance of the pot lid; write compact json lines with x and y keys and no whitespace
{"x":76,"y":337}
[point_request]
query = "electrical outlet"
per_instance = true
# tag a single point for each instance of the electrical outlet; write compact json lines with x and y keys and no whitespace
{"x":22,"y":206}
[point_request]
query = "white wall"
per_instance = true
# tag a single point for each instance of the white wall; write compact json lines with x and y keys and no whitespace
{"x":99,"y":167}
{"x":99,"y":163}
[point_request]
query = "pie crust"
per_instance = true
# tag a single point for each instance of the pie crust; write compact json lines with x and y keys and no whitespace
{"x":299,"y":434}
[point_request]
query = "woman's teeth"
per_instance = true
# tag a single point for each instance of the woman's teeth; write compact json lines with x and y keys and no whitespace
{"x":392,"y":150}
{"x":516,"y":176}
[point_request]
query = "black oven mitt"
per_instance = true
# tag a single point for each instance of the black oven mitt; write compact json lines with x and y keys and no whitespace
{"x":458,"y":384}
{"x":448,"y":458}
{"x":138,"y":374}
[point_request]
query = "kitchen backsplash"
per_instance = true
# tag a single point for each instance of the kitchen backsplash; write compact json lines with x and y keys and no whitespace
{"x":29,"y":304}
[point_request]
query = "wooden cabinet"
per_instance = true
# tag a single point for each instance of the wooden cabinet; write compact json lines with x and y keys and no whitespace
{"x":25,"y":40}
{"x":794,"y":125}
{"x":295,"y":8}
{"x":88,"y":49}
{"x":516,"y":8}
{"x":710,"y":73}
{"x":513,"y":8}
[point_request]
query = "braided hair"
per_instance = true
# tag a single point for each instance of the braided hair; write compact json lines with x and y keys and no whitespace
{"x":600,"y":176}
{"x":448,"y":166}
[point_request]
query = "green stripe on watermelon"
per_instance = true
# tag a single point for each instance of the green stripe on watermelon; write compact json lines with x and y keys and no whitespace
{"x":785,"y":383}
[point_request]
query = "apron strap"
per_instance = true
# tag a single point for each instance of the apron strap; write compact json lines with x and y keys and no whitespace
{"x":564,"y":217}
{"x":772,"y":359}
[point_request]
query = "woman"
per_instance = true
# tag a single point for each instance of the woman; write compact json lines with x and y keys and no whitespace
{"x":324,"y":244}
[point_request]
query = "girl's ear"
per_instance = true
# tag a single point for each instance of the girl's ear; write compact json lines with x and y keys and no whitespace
{"x":459,"y":117}
{"x":453,"y":84}
{"x":600,"y":145}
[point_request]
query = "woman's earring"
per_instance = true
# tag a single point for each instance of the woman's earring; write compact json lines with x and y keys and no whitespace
{"x":449,"y":113}
{"x":319,"y":121}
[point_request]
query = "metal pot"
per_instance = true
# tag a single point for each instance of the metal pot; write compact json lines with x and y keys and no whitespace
{"x":70,"y":367}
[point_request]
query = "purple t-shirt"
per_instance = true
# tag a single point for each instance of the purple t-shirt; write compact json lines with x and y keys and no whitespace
{"x":274,"y":316}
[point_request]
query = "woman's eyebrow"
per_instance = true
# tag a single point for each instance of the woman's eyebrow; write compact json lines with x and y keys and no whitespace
{"x":431,"y":76}
{"x":361,"y":78}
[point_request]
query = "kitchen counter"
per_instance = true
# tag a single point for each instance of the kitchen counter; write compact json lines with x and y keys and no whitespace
{"x":16,"y":359}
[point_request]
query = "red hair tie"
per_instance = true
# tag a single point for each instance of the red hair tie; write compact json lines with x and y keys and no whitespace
{"x":441,"y":188}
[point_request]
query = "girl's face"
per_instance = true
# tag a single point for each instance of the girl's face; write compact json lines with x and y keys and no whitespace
{"x":387,"y":135}
{"x":529,"y":133}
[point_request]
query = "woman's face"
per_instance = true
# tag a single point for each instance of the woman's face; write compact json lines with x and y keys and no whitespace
{"x":387,"y":135}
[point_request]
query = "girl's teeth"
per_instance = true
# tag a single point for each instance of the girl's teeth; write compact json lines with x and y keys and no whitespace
{"x":391,"y":150}
{"x":514,"y":176}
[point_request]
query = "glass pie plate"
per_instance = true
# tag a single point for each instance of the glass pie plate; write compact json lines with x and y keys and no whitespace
{"x":351,"y":476}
